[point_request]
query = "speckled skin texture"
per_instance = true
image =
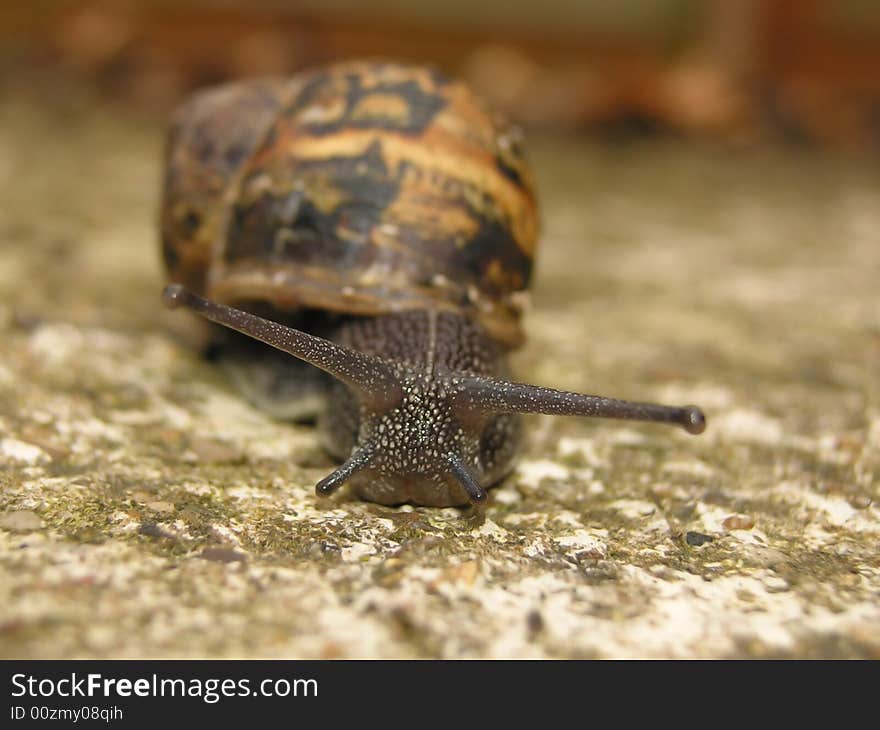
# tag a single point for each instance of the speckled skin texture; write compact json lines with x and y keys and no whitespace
{"x":455,"y":418}
{"x":422,"y":412}
{"x":403,"y":418}
{"x":415,"y":440}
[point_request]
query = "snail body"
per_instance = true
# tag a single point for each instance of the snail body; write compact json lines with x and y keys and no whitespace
{"x":385,"y":223}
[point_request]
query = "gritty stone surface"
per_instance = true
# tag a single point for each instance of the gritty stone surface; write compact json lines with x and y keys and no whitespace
{"x":147,"y":510}
{"x":23,"y":520}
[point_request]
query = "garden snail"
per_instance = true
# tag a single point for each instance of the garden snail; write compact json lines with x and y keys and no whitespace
{"x":386,"y":214}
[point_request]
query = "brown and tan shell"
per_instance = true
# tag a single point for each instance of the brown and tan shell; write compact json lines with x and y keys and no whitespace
{"x":362,"y":187}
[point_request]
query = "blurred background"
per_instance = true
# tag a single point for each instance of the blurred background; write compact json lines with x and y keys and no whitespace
{"x":743,"y":71}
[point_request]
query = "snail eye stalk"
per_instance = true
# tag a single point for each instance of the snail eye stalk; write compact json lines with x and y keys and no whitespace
{"x":358,"y":461}
{"x":481,"y":395}
{"x":476,"y":494}
{"x":368,"y":377}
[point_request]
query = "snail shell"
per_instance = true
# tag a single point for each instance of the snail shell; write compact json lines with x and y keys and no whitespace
{"x":364,"y":188}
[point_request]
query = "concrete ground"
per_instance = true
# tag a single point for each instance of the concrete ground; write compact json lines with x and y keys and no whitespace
{"x":147,"y":511}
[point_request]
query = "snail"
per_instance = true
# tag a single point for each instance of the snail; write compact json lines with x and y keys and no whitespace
{"x":378,"y":223}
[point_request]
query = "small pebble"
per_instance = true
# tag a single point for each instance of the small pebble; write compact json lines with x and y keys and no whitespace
{"x":738,"y":522}
{"x":859,"y":501}
{"x":151,"y":529}
{"x":164,"y":507}
{"x":697,"y":538}
{"x":22,"y":451}
{"x":465,"y":573}
{"x":775,"y":584}
{"x":214,"y":451}
{"x":21,"y":521}
{"x":534,"y":622}
{"x":223,"y":555}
